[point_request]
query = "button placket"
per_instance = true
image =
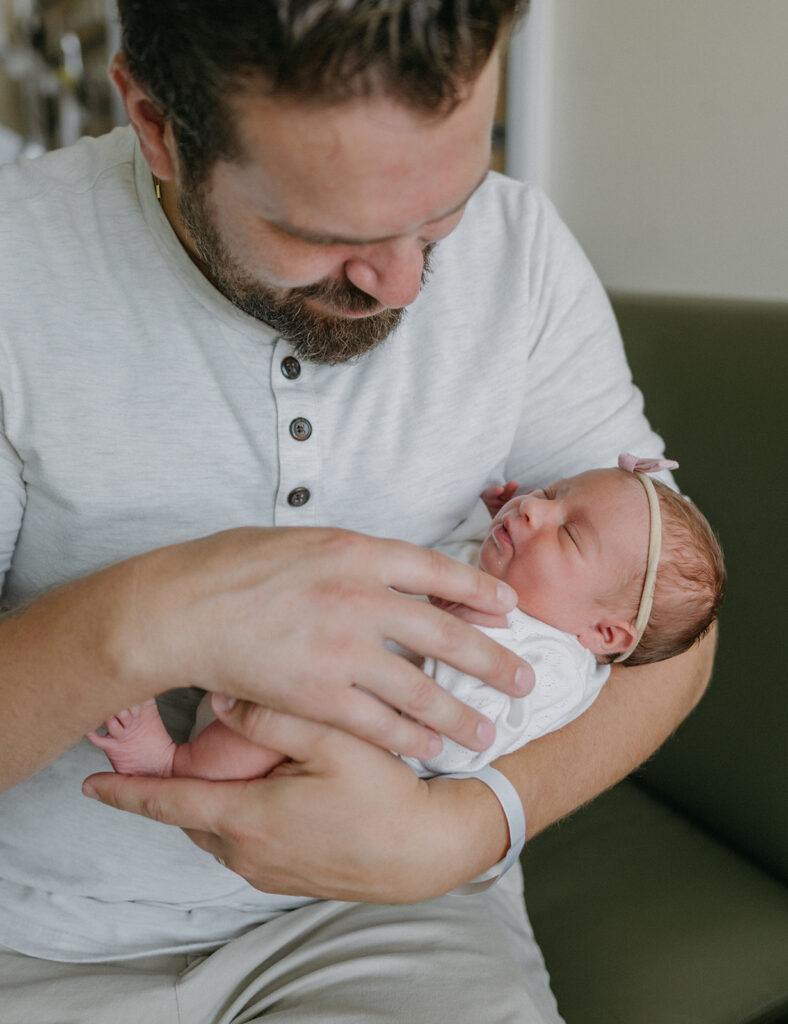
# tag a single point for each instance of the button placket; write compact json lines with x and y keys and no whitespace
{"x":296,"y":502}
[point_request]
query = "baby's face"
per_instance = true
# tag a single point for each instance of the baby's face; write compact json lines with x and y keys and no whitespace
{"x":566,"y":548}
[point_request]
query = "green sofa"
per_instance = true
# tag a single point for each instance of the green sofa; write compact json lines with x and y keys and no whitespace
{"x":665,"y":901}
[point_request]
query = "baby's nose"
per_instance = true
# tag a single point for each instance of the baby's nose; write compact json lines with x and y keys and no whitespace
{"x":532,"y":509}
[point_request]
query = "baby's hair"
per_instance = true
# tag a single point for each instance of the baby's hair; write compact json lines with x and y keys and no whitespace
{"x":690,"y":581}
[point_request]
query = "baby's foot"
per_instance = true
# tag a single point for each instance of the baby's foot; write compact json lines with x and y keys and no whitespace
{"x":137,"y":742}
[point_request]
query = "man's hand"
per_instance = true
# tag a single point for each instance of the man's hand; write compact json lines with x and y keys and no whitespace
{"x":341,"y":820}
{"x":297,"y":620}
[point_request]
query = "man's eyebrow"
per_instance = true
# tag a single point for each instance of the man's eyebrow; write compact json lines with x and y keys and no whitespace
{"x":318,"y":239}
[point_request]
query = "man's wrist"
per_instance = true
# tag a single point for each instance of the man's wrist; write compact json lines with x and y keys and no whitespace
{"x":113,"y":644}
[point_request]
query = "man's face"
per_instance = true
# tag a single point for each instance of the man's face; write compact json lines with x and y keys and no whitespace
{"x":569,"y":549}
{"x":324,"y":228}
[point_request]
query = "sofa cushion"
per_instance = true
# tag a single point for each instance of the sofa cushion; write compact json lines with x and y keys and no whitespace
{"x":644,"y":918}
{"x":714,"y":375}
{"x":664,"y":901}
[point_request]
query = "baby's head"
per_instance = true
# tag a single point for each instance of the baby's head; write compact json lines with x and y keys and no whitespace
{"x":576,"y":554}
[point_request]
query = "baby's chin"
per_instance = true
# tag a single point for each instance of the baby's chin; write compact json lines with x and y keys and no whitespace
{"x":486,"y":562}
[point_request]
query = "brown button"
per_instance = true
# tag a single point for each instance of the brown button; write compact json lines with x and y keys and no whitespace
{"x":300,"y":429}
{"x":291,"y":368}
{"x":298,"y":496}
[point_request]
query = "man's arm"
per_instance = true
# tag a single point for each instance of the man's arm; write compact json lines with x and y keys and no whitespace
{"x":294,"y":618}
{"x":318,"y":826}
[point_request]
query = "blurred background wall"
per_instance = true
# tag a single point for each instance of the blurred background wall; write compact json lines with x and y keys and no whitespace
{"x":660,"y":130}
{"x":53,"y":72}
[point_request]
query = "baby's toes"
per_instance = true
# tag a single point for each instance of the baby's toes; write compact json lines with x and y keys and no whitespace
{"x":118,"y":724}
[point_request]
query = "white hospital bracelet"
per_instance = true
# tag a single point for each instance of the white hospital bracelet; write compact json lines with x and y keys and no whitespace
{"x":509,"y":799}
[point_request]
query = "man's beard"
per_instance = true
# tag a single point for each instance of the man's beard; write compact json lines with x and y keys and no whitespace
{"x":314,"y":337}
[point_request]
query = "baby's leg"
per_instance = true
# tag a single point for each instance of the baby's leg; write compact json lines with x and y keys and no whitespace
{"x":219,"y":753}
{"x":137,"y":742}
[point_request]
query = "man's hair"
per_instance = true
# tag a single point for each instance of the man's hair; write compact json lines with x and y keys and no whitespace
{"x":690,"y":581}
{"x":192,"y":56}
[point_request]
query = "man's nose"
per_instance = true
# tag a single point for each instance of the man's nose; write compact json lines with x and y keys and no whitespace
{"x":390,"y":271}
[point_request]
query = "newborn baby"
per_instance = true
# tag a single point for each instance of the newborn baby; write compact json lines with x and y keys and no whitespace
{"x":607,"y":566}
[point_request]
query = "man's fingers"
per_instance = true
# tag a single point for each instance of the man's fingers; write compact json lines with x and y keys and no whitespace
{"x":370,"y":716}
{"x":428,"y":708}
{"x":299,"y":739}
{"x":210,"y":813}
{"x":394,"y":680}
{"x":187,"y":803}
{"x":414,"y":570}
{"x":364,"y":715}
{"x":429,"y":631}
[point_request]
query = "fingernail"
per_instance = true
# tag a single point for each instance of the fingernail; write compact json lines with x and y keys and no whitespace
{"x":222,"y":703}
{"x":436,"y":745}
{"x":485,"y":732}
{"x":523,"y":680}
{"x":506,"y":595}
{"x":88,"y":790}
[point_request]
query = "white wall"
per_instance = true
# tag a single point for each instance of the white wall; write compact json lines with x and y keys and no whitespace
{"x":660,"y":130}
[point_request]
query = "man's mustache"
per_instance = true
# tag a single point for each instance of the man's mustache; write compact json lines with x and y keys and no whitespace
{"x":342,"y":295}
{"x":345,"y":295}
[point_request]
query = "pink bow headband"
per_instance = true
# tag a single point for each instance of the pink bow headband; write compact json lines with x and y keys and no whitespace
{"x":641,"y":467}
{"x":634,"y":464}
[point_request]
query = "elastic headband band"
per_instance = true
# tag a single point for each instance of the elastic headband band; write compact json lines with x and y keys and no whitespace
{"x":654,"y":551}
{"x":640,"y":467}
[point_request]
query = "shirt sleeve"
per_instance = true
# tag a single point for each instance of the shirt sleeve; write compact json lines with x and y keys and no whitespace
{"x":581,"y":407}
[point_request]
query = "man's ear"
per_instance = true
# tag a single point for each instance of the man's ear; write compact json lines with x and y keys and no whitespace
{"x":609,"y":635}
{"x":150,"y":124}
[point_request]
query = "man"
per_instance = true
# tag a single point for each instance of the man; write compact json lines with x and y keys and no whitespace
{"x":204,"y":335}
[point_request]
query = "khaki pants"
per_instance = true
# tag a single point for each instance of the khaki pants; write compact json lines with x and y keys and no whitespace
{"x":451,"y":960}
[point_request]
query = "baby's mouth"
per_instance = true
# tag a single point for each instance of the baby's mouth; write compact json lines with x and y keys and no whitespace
{"x":502,"y":537}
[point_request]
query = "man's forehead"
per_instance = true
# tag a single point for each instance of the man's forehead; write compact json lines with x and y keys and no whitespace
{"x":319,"y":238}
{"x":361,"y":171}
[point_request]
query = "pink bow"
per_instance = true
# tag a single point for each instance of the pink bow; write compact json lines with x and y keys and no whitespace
{"x":634,"y":464}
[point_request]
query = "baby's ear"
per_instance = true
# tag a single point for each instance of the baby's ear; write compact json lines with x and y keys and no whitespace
{"x":608,"y":636}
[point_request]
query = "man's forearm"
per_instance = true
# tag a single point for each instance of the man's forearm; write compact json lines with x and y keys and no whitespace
{"x":57,"y":674}
{"x":634,"y":714}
